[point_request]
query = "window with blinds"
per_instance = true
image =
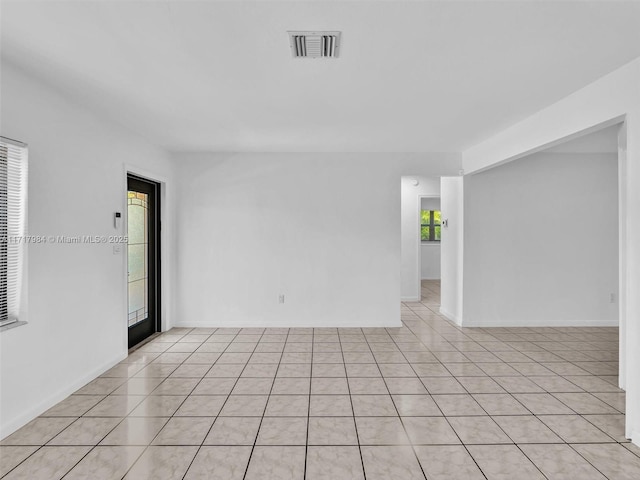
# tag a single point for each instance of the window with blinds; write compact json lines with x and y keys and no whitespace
{"x":13,"y":219}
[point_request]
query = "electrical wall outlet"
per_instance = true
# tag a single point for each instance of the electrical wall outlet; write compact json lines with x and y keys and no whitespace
{"x":281,"y":298}
{"x":612,"y":298}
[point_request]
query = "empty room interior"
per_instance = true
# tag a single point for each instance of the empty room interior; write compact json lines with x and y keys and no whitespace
{"x":288,"y":240}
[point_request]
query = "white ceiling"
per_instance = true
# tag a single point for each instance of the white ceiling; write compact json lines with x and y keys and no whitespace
{"x":411,"y":77}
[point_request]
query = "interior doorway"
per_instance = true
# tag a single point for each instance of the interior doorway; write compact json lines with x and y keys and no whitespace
{"x":143,"y":259}
{"x":429,"y":255}
{"x":420,"y":238}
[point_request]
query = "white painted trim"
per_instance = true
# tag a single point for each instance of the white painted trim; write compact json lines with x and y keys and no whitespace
{"x":144,"y":173}
{"x":165,"y":319}
{"x":449,"y":316}
{"x":44,"y":405}
{"x":410,"y":299}
{"x":249,"y":324}
{"x":623,"y":166}
{"x":542,"y":323}
{"x":430,"y":278}
{"x":541,"y":148}
{"x":635,"y":438}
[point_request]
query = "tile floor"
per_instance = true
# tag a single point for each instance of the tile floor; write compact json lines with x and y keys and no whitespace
{"x":425,"y":400}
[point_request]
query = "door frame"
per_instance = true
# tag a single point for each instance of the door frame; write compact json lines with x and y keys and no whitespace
{"x":419,"y":255}
{"x":162,"y":322}
{"x":147,"y":327}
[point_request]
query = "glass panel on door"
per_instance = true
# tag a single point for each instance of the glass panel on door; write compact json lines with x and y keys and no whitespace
{"x":138,"y":230}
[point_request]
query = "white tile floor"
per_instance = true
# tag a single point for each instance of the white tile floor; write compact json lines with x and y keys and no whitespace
{"x":425,"y":400}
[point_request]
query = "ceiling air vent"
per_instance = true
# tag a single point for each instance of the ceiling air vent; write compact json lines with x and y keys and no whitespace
{"x":314,"y":44}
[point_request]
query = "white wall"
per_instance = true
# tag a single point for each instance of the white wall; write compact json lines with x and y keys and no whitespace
{"x":77,"y":295}
{"x":452,"y":253}
{"x":411,"y":244}
{"x":430,"y":203}
{"x":612,"y":98}
{"x":541,"y":242}
{"x":430,"y":251}
{"x":430,"y":261}
{"x":322,"y":229}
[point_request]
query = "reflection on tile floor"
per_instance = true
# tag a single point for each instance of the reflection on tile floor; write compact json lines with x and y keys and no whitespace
{"x":426,"y":400}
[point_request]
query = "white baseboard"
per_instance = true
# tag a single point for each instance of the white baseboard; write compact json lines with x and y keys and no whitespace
{"x":449,"y":316}
{"x":410,"y":299}
{"x":430,"y":278}
{"x":540,"y":323}
{"x":395,"y":323}
{"x":9,"y":426}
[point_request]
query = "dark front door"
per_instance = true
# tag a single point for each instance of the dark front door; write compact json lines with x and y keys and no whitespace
{"x":143,"y":258}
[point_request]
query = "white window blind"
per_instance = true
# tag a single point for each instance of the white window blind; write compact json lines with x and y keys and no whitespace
{"x":13,"y":220}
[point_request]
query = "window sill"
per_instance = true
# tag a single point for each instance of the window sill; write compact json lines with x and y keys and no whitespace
{"x":431,"y":243}
{"x":12,"y":325}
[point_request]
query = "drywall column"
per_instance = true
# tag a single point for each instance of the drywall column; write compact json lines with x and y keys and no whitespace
{"x":451,"y":249}
{"x":622,"y":239}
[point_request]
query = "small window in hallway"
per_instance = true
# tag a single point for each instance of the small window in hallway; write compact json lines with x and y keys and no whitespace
{"x":430,"y":225}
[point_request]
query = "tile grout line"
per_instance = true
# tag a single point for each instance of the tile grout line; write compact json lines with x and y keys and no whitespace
{"x":266,"y":404}
{"x":146,"y":397}
{"x":355,"y":427}
{"x":306,"y":446}
{"x":123,"y":419}
{"x":93,"y":447}
{"x":488,"y":415}
{"x":496,"y":423}
{"x":536,"y":416}
{"x":443,"y":416}
{"x":421,"y":327}
{"x":204,"y":438}
{"x":146,"y":448}
{"x":393,"y":403}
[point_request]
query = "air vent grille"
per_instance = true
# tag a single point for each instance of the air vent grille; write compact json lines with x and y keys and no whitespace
{"x":314,"y":44}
